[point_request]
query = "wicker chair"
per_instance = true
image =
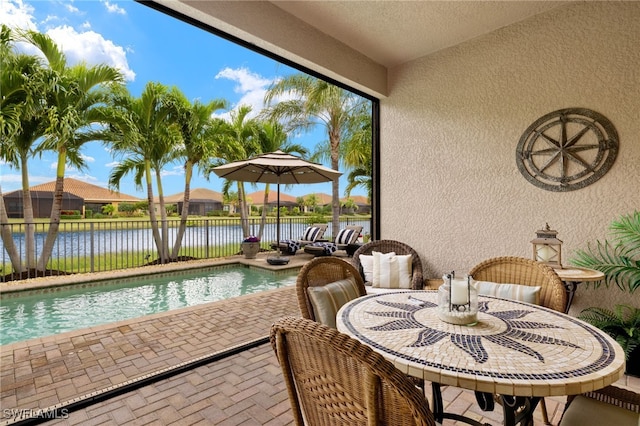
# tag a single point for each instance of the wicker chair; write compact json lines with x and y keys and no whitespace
{"x":387,"y":246}
{"x":610,"y":405}
{"x":333,"y":379}
{"x":320,"y":271}
{"x":518,"y":270}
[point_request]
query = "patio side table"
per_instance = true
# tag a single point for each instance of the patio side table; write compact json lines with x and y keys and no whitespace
{"x":573,"y":276}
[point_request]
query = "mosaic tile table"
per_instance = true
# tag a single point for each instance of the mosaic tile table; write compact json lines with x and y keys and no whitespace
{"x":518,"y":350}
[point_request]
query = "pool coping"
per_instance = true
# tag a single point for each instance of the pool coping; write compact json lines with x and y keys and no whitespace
{"x":40,"y":283}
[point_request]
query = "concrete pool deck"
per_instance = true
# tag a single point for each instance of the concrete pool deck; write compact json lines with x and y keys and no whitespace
{"x":244,"y":388}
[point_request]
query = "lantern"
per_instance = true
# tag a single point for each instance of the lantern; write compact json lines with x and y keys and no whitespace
{"x":547,"y":248}
{"x":458,"y":300}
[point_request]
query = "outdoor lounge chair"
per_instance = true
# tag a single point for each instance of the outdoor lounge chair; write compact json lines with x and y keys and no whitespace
{"x":347,"y":235}
{"x":510,"y":270}
{"x":388,"y":246}
{"x":323,"y":285}
{"x":333,"y":379}
{"x":310,"y":235}
{"x":611,"y":405}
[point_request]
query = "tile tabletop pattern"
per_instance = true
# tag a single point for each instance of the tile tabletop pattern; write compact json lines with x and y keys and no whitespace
{"x":515,"y":348}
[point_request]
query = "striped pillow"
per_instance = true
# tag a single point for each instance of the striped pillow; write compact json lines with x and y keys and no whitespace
{"x":391,"y":270}
{"x":345,"y":236}
{"x":311,"y":233}
{"x":522,"y":293}
{"x":326,"y":300}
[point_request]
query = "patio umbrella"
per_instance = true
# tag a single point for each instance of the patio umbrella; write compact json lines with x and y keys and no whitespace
{"x":277,"y":167}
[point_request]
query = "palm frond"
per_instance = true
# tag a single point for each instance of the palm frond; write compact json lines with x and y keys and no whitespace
{"x":619,"y":259}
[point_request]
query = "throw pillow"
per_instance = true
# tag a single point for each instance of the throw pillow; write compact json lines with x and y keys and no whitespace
{"x":344,"y":236}
{"x":366,"y":260}
{"x":391,"y":270}
{"x":522,"y":293}
{"x":327,"y":300}
{"x":310,"y":234}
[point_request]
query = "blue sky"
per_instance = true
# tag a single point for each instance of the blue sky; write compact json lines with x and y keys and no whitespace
{"x":147,"y":45}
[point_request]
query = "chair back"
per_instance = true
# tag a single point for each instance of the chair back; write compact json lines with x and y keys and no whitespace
{"x":352,"y":238}
{"x":321,"y":271}
{"x":519,"y":270}
{"x":388,"y":246}
{"x":333,"y":379}
{"x":322,"y":228}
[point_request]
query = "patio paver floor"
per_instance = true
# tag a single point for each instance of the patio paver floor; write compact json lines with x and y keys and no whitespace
{"x":243,"y":389}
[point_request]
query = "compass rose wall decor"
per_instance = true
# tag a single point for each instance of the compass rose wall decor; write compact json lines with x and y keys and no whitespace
{"x":567,"y":149}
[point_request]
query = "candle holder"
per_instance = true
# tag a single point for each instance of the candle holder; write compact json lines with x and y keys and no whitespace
{"x":458,"y":300}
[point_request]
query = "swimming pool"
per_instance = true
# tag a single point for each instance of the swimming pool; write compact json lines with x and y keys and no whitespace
{"x":76,"y":307}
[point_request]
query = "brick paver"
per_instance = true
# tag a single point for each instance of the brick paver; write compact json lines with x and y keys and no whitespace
{"x":243,"y":389}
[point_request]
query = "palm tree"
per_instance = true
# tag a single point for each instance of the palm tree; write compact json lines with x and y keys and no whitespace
{"x":315,"y":102}
{"x":272,"y":137}
{"x":198,"y":135}
{"x":358,"y":159}
{"x":72,"y":102}
{"x":22,"y":78}
{"x":144,"y":135}
{"x":240,"y":140}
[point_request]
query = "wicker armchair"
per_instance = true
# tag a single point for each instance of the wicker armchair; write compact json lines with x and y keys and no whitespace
{"x":518,"y":270}
{"x":320,"y":271}
{"x":387,"y":246}
{"x":610,"y":405}
{"x":333,"y":379}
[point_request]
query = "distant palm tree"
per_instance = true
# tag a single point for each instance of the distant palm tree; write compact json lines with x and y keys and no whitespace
{"x":310,"y":102}
{"x":145,"y":137}
{"x":197,"y":148}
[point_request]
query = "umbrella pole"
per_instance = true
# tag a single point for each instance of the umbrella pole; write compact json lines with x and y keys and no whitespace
{"x":278,"y":218}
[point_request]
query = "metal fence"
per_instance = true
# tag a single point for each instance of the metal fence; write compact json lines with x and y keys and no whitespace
{"x":102,"y":245}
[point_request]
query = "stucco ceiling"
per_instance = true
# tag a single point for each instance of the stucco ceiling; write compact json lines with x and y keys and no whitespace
{"x":392,"y":32}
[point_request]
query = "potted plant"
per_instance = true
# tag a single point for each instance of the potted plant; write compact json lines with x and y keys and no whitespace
{"x":623,"y":324}
{"x":250,"y":247}
{"x":619,"y":260}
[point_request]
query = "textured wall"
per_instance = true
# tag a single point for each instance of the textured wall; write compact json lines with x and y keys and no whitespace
{"x":449,"y":130}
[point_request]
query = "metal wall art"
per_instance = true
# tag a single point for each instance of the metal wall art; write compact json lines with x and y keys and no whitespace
{"x":567,"y":149}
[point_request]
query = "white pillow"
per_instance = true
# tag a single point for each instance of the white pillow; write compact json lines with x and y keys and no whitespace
{"x":366,"y":260}
{"x":523,"y":293}
{"x":391,"y":270}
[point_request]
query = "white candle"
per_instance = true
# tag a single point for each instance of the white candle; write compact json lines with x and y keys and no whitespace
{"x":459,"y":292}
{"x":546,"y":253}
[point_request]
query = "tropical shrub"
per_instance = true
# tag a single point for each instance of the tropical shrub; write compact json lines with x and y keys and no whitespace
{"x":618,"y":258}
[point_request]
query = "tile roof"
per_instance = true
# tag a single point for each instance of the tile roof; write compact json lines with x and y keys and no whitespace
{"x":201,"y":194}
{"x":258,"y":197}
{"x":90,"y":193}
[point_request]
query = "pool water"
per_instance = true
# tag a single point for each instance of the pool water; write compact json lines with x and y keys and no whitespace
{"x":39,"y":315}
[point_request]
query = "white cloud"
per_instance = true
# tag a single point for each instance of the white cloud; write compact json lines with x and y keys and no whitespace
{"x":250,"y":85}
{"x":17,"y":14}
{"x":87,"y":158}
{"x":175,"y":171}
{"x":112,"y":164}
{"x":87,"y":46}
{"x":10,"y":182}
{"x":92,"y":48}
{"x":71,"y":8}
{"x":82,"y":177}
{"x":114,"y":8}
